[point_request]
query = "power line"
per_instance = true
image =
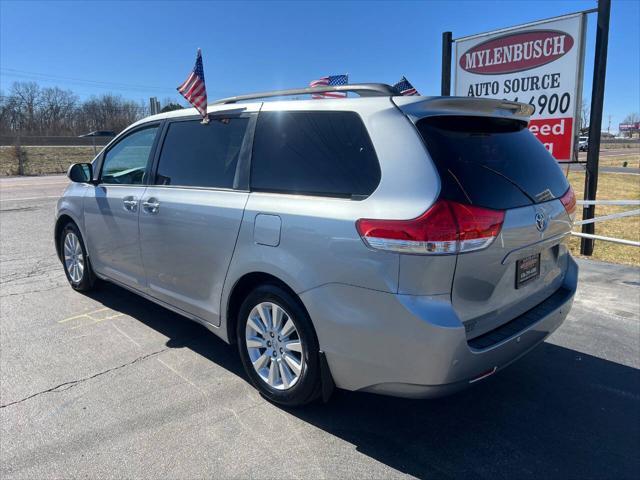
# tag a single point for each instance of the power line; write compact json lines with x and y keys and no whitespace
{"x":85,"y":80}
{"x":169,"y":91}
{"x":11,"y":72}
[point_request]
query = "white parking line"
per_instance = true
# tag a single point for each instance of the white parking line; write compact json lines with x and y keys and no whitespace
{"x":125,"y":335}
{"x":27,"y":198}
{"x":4,"y":185}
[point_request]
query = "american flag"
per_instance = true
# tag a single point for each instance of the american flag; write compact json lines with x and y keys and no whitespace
{"x":330,"y":81}
{"x":194,"y":88}
{"x":405,"y":88}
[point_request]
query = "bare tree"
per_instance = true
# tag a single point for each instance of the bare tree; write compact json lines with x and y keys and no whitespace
{"x":27,"y":97}
{"x":5,"y":112}
{"x":585,"y":111}
{"x":57,"y":110}
{"x":109,"y":112}
{"x":31,"y":110}
{"x":632,"y":118}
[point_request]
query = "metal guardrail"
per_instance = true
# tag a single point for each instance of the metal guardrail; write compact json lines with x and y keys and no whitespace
{"x":612,"y":216}
{"x":608,"y":202}
{"x":48,"y":141}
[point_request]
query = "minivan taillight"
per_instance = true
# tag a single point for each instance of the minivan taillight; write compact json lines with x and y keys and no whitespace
{"x":446,"y":228}
{"x":569,"y":202}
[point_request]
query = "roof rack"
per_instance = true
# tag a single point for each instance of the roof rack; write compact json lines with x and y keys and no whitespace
{"x":362,"y":89}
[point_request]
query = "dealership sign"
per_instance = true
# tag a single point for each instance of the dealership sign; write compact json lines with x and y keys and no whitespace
{"x":539,"y":64}
{"x":627,"y":127}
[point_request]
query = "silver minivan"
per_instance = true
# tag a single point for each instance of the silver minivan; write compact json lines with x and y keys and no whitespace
{"x":408,"y":246}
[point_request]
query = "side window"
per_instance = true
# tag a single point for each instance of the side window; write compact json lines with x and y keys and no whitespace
{"x":197,"y":155}
{"x":314,"y":153}
{"x":126,"y":162}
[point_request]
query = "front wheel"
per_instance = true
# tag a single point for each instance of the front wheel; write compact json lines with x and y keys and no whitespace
{"x":278,"y":346}
{"x":74,"y":259}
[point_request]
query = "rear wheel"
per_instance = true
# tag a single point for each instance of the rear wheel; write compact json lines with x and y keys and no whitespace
{"x":278,"y":346}
{"x":74,"y":259}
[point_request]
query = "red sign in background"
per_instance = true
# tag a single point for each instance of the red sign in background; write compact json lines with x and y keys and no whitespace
{"x":555,"y":135}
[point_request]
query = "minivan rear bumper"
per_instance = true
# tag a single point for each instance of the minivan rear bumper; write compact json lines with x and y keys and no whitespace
{"x":416,"y":346}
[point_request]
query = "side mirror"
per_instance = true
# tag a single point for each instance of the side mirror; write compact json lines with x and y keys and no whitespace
{"x":80,"y":173}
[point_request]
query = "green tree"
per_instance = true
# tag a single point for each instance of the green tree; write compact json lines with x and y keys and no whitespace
{"x":170,"y":107}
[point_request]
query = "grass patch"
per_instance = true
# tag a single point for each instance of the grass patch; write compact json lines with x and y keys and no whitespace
{"x":615,"y":155}
{"x":43,"y":160}
{"x":632,"y":161}
{"x":604,"y":145}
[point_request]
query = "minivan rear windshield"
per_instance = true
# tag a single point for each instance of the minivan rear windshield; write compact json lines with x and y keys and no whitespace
{"x":491,"y":162}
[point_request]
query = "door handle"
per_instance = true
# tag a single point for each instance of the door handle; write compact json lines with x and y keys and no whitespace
{"x":130,"y":203}
{"x":151,"y":205}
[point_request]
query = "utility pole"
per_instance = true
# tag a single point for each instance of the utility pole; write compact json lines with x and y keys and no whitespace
{"x":154,"y":105}
{"x":609,"y":125}
{"x":595,"y":122}
{"x":19,"y":153}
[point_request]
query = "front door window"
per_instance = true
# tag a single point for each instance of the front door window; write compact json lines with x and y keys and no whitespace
{"x":126,"y":162}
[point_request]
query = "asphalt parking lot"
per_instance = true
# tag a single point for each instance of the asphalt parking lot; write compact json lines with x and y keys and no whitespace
{"x":109,"y":385}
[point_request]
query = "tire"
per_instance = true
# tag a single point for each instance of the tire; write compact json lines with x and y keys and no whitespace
{"x":74,"y":258}
{"x":279,"y":354}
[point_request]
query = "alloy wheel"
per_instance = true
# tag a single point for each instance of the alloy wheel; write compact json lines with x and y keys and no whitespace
{"x":274,"y":346}
{"x":73,"y":257}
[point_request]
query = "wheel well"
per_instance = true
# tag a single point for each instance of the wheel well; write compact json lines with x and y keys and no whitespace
{"x":62,"y":221}
{"x":242,"y":288}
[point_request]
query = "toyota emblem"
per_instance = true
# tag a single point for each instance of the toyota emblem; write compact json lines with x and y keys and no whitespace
{"x":541,"y":221}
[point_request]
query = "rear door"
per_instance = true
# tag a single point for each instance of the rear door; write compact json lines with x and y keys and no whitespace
{"x":191,"y":213}
{"x":497,"y":163}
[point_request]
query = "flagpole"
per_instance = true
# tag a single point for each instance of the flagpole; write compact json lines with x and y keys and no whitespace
{"x":205,"y":118}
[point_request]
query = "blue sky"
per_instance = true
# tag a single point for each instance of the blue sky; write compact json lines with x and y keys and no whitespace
{"x":139,"y":49}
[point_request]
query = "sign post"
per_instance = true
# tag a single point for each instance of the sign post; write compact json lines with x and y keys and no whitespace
{"x":445,"y":86}
{"x":597,"y":101}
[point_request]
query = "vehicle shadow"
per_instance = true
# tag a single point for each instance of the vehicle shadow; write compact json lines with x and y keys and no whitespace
{"x":556,"y":413}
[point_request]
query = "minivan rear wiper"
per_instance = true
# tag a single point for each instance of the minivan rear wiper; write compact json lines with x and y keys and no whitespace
{"x":533,"y":200}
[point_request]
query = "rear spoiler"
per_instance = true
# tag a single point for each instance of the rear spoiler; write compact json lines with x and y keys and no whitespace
{"x":420,"y":107}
